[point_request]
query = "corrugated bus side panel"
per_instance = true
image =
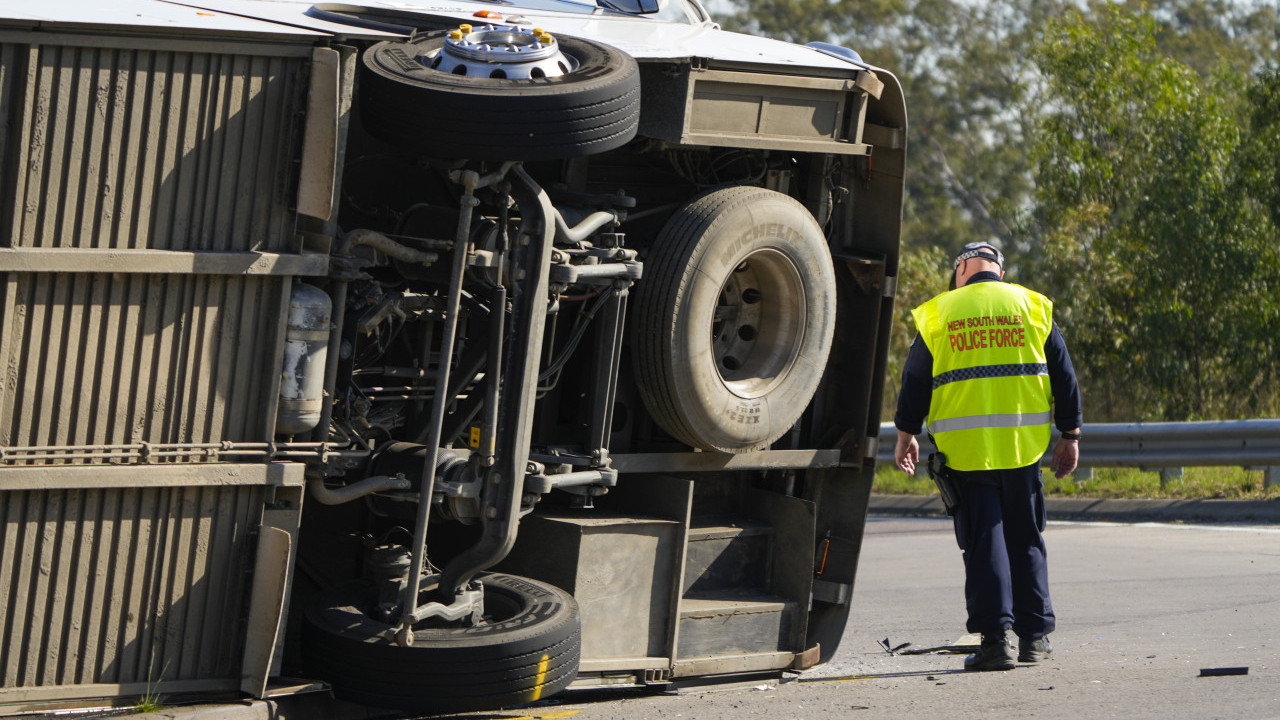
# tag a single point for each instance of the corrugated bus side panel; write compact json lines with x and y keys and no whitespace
{"x":124,"y":585}
{"x":137,"y":144}
{"x":98,"y":358}
{"x":134,"y":148}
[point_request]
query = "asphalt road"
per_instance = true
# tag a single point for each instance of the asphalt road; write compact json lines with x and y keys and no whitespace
{"x":1141,"y":610}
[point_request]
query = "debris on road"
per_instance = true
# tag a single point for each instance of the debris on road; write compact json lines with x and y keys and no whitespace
{"x":964,"y":645}
{"x":893,"y":650}
{"x":1214,"y":672}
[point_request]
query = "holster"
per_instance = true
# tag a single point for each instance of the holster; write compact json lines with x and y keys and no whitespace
{"x":948,"y":486}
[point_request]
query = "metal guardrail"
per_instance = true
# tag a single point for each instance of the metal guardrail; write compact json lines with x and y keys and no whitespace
{"x":1164,"y":446}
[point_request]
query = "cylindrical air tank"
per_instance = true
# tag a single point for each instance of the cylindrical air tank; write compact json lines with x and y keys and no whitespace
{"x":306,"y":343}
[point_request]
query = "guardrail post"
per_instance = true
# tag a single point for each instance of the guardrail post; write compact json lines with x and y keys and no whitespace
{"x":1270,"y":477}
{"x":1168,"y":475}
{"x":1082,"y":474}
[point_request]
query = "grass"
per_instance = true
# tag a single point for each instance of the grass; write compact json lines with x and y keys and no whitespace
{"x":150,"y":702}
{"x":1196,"y":483}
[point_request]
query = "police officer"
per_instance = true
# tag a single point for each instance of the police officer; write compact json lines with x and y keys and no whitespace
{"x":990,"y":370}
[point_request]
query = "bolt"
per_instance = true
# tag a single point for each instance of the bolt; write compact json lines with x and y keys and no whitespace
{"x":404,"y":638}
{"x":491,"y":513}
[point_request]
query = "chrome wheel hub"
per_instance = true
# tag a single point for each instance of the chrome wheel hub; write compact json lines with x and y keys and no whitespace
{"x":758,"y":326}
{"x":501,"y":51}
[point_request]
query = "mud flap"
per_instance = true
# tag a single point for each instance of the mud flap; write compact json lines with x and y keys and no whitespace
{"x":266,"y":608}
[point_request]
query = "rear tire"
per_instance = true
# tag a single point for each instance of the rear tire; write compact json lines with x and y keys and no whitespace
{"x":735,"y":319}
{"x":528,"y":650}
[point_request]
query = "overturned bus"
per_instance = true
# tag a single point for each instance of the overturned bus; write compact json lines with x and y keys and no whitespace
{"x":440,"y":354}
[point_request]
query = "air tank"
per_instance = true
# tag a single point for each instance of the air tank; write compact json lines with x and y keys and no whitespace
{"x":306,"y":344}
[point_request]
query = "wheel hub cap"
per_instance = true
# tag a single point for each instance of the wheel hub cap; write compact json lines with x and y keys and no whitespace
{"x":758,"y":326}
{"x":501,"y":51}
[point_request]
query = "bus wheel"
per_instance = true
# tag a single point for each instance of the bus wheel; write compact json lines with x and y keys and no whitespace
{"x":439,"y":97}
{"x":527,"y":649}
{"x":735,"y":319}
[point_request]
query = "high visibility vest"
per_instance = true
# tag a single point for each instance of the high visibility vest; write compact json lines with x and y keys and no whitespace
{"x":991,"y":400}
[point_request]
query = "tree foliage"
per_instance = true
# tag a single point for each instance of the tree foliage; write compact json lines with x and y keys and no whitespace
{"x":1162,"y":265}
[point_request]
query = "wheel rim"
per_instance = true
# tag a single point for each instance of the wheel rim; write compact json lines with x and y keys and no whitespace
{"x":501,"y":51}
{"x":758,"y":327}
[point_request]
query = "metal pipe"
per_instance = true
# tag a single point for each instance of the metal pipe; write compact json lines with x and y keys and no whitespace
{"x":505,"y":480}
{"x":497,"y":335}
{"x":409,"y":603}
{"x":387,"y":246}
{"x":212,"y":451}
{"x":584,"y":229}
{"x":489,"y":425}
{"x":355,"y":491}
{"x":543,"y":484}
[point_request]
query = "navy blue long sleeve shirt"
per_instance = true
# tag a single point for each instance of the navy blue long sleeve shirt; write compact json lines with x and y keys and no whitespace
{"x":917,"y":381}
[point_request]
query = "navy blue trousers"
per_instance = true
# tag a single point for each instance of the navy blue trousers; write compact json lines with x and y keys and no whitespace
{"x":999,"y":526}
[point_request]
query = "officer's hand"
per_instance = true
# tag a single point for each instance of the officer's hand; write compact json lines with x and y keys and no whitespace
{"x":907,"y":452}
{"x":1065,"y":456}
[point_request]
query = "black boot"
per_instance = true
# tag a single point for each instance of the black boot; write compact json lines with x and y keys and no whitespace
{"x":994,"y":654}
{"x":1032,"y":651}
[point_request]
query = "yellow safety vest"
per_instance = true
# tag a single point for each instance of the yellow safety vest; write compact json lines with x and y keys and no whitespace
{"x":990,"y":407}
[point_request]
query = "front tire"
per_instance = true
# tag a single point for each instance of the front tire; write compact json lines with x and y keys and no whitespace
{"x":735,"y":319}
{"x":528,"y":650}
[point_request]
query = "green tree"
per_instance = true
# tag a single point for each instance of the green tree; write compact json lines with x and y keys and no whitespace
{"x":1161,"y":267}
{"x":1259,"y":180}
{"x":962,"y":70}
{"x":922,"y":274}
{"x":1260,"y":157}
{"x":1213,"y":36}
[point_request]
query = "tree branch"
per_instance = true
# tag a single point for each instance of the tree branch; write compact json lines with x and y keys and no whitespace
{"x":971,"y":199}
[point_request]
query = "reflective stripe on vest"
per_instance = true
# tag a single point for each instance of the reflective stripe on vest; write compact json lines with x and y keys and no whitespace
{"x":990,"y":371}
{"x":975,"y":422}
{"x":990,"y":404}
